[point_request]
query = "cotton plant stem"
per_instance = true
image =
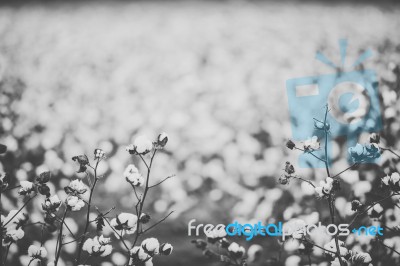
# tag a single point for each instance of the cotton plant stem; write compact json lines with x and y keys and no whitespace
{"x":119,"y":236}
{"x":3,"y":226}
{"x":331,"y":199}
{"x":310,"y":152}
{"x":88,"y":213}
{"x":66,"y":225}
{"x":348,"y":168}
{"x":30,"y":261}
{"x":162,"y":181}
{"x":6,"y":254}
{"x":332,"y":213}
{"x":304,"y":180}
{"x":60,"y":237}
{"x":1,"y":235}
{"x":157,"y":223}
{"x":11,"y":188}
{"x":370,"y":206}
{"x":392,"y":249}
{"x":146,"y":189}
{"x":391,"y":151}
{"x":23,"y":206}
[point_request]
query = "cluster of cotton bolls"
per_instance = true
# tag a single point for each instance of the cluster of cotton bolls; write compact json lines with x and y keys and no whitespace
{"x":98,"y":246}
{"x":79,"y":194}
{"x":66,"y":84}
{"x":125,"y":223}
{"x":361,"y":190}
{"x":143,"y":255}
{"x":12,"y":225}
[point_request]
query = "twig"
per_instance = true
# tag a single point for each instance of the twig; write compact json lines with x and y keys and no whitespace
{"x":348,"y":168}
{"x":157,"y":223}
{"x":146,"y":189}
{"x":331,"y":200}
{"x":119,"y":236}
{"x":11,"y":188}
{"x":60,"y":236}
{"x":310,"y":152}
{"x":23,"y":206}
{"x":391,"y":151}
{"x":165,"y":179}
{"x":370,"y":206}
{"x":134,"y":189}
{"x":66,"y":225}
{"x":87,"y":213}
{"x":304,"y":180}
{"x":392,"y":249}
{"x":6,"y":254}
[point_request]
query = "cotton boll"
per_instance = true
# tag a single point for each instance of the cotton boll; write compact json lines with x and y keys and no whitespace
{"x":118,"y":258}
{"x":291,"y":245}
{"x":254,"y":252}
{"x":341,"y":204}
{"x":293,"y":261}
{"x":151,"y":245}
{"x":361,"y":188}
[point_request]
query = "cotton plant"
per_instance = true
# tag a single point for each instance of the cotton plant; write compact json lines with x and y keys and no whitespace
{"x":150,"y":247}
{"x":129,"y":228}
{"x":37,"y":254}
{"x":336,"y":251}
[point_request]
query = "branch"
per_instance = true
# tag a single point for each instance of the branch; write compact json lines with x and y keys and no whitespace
{"x":391,"y":151}
{"x":87,"y":213}
{"x":60,"y":236}
{"x":165,"y":179}
{"x":304,"y":180}
{"x":392,"y":249}
{"x":370,"y":206}
{"x":146,"y":189}
{"x":348,"y":168}
{"x":11,"y":188}
{"x":331,"y":201}
{"x":310,"y":152}
{"x":157,"y":223}
{"x":119,"y":236}
{"x":23,"y":206}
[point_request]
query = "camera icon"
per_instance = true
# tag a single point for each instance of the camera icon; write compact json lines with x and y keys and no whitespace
{"x":353,"y":100}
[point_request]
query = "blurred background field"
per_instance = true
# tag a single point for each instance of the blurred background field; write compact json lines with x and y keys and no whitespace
{"x":80,"y":76}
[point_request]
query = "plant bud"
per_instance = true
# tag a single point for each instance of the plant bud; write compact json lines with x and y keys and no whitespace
{"x":43,"y":177}
{"x":166,"y":249}
{"x":290,"y":144}
{"x":144,"y":218}
{"x":3,"y":148}
{"x":162,"y":140}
